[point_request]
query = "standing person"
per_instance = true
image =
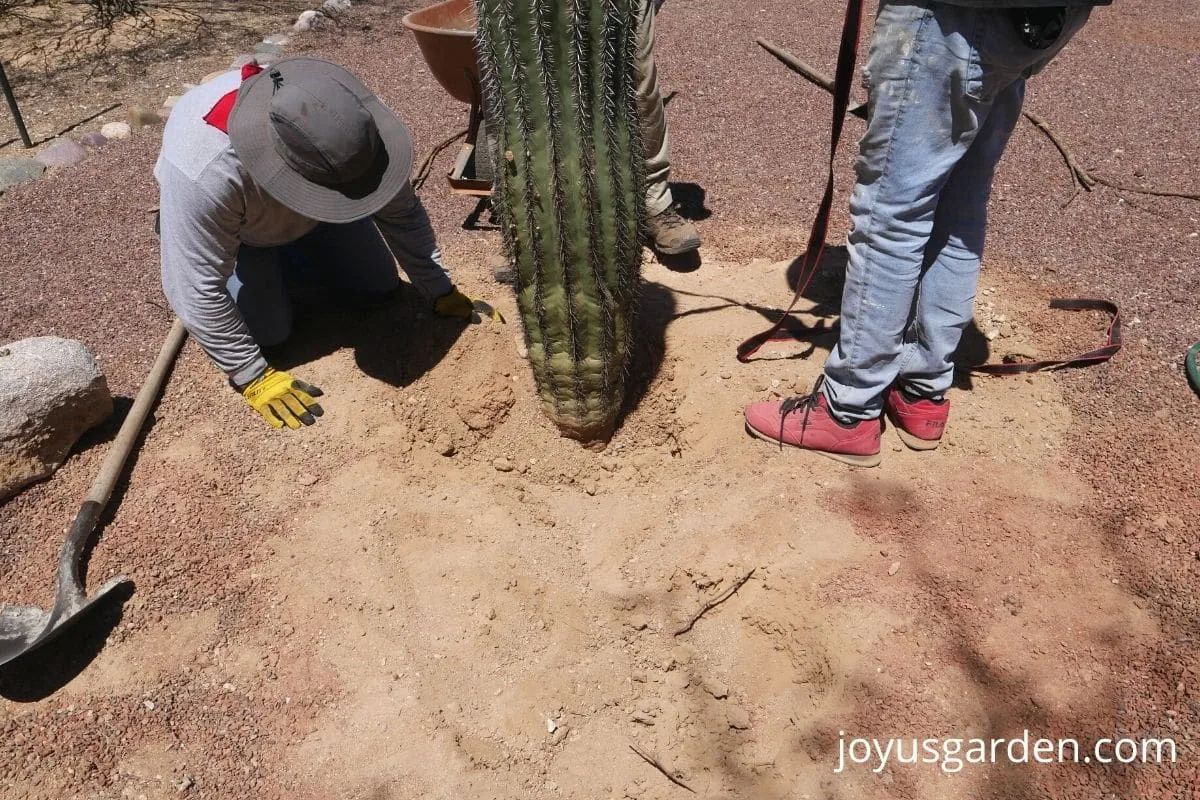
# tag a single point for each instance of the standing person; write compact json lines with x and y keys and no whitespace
{"x":946,"y":82}
{"x":671,"y":234}
{"x":292,"y":176}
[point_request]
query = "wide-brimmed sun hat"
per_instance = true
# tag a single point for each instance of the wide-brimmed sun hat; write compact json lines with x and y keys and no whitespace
{"x":319,"y":141}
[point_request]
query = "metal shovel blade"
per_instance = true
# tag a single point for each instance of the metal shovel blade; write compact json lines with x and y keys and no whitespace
{"x":25,"y":628}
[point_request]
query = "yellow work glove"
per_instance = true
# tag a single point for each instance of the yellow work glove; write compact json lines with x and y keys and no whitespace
{"x":283,"y":400}
{"x":457,"y":305}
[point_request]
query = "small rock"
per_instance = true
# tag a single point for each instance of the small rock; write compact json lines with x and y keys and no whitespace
{"x":63,"y":153}
{"x":306,"y":479}
{"x":590,"y":487}
{"x":140,"y":117}
{"x":15,"y":169}
{"x":559,"y":734}
{"x":639,"y":622}
{"x":726,"y":375}
{"x":551,"y":725}
{"x":738,"y":718}
{"x":716,"y":688}
{"x":51,"y":391}
{"x":522,"y":350}
{"x":115,"y":130}
{"x":305,"y":21}
{"x":331,"y":8}
{"x":94,"y":140}
{"x":502,"y":464}
{"x":894,"y":568}
{"x":991,"y":335}
{"x":444,"y":445}
{"x":185,"y":783}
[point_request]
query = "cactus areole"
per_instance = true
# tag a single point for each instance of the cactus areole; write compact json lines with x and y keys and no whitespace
{"x":560,"y":96}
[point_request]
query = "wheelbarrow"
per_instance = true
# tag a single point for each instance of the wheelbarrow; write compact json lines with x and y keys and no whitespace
{"x":445,"y":33}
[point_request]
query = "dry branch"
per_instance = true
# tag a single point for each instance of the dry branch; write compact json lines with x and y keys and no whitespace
{"x":710,"y":605}
{"x":652,"y":761}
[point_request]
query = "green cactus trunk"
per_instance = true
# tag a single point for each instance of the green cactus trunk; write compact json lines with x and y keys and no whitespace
{"x":560,"y":93}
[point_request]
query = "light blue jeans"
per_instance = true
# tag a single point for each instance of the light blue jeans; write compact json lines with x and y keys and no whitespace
{"x":945,"y":85}
{"x":344,"y":263}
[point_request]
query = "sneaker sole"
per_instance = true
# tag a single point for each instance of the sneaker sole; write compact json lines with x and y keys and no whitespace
{"x":845,"y":458}
{"x":915,"y":442}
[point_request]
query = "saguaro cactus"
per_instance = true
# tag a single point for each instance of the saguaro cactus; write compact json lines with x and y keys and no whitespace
{"x":560,"y":95}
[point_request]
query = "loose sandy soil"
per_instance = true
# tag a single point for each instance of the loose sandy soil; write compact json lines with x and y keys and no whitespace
{"x":345,"y":612}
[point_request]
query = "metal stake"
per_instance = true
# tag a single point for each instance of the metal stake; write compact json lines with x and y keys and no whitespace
{"x":12,"y":104}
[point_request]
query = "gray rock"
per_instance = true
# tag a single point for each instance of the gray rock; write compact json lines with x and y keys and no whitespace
{"x":94,"y":140}
{"x":51,"y":391}
{"x":268,"y":50}
{"x":331,"y":8}
{"x":306,"y":21}
{"x":15,"y":169}
{"x":116,"y":130}
{"x":63,"y":153}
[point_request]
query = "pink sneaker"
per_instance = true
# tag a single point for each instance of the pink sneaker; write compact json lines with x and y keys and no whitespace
{"x":806,"y":422}
{"x":919,"y":422}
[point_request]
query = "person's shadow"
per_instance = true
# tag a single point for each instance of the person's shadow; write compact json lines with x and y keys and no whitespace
{"x":825,"y":290}
{"x":396,"y":342}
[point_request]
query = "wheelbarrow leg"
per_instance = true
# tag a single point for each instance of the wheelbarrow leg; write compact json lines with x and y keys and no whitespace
{"x":12,"y":105}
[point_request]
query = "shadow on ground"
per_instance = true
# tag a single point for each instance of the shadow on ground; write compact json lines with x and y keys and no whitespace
{"x":655,"y":310}
{"x":396,"y":343}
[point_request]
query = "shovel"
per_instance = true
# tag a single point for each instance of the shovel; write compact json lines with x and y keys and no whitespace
{"x":24,"y":628}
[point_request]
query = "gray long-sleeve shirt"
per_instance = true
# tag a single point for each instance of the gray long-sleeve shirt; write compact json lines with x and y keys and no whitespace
{"x":209,"y":206}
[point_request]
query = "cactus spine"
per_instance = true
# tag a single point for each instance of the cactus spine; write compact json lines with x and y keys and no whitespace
{"x":560,"y":93}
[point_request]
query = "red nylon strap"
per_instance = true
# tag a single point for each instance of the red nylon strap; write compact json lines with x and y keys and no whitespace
{"x":218,"y":116}
{"x":1097,"y":356}
{"x":847,"y":55}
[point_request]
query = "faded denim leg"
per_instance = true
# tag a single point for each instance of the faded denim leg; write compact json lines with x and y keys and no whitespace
{"x":946,"y":295}
{"x":935,"y":74}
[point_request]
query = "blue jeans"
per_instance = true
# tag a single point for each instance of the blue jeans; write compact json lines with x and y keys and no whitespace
{"x":945,"y":86}
{"x":339,"y":261}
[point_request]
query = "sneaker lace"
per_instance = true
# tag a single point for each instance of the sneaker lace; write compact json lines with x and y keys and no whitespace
{"x":805,"y":403}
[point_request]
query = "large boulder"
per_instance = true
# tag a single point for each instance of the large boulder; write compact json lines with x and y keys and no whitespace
{"x":51,"y":391}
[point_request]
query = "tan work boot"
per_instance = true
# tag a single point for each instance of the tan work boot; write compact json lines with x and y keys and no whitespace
{"x":671,"y":234}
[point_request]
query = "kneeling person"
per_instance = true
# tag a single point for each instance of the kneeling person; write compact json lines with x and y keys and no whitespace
{"x":276,"y":177}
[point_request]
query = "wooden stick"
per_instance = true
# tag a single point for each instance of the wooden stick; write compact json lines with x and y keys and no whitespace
{"x":1078,"y":173}
{"x":721,"y":598}
{"x":1080,"y":176}
{"x":654,"y":763}
{"x":809,"y":73}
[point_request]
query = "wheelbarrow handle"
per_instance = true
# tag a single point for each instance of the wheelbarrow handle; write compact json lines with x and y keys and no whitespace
{"x":114,"y":461}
